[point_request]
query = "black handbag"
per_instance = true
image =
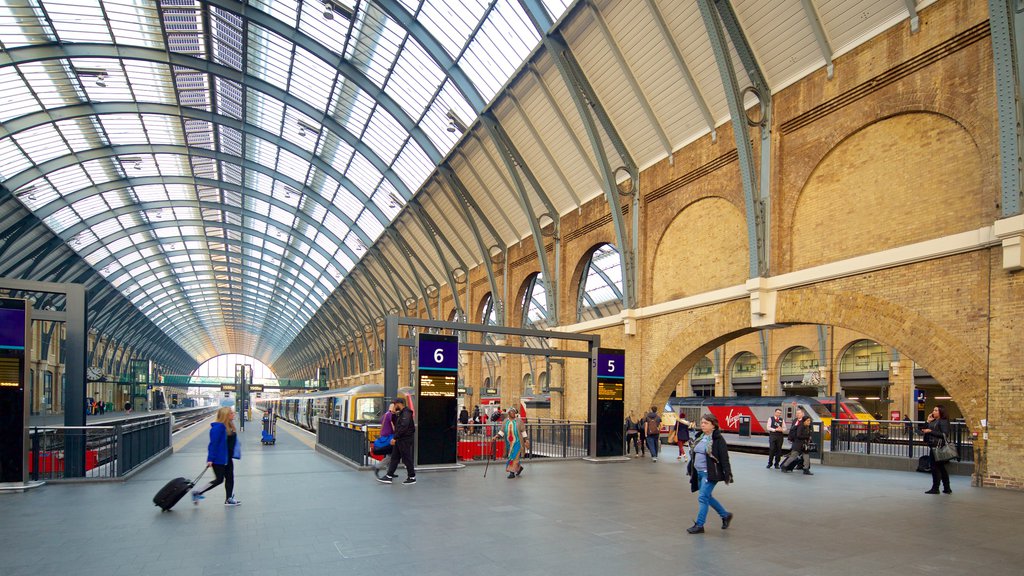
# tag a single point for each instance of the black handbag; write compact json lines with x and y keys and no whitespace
{"x":944,"y":452}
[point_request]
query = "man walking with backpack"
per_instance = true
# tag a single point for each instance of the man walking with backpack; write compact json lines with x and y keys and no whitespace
{"x":652,"y":423}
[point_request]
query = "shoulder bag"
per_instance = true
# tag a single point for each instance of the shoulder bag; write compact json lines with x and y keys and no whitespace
{"x":945,"y":451}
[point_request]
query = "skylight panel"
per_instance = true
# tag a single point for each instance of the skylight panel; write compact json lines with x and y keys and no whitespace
{"x":50,"y":83}
{"x":12,"y":161}
{"x":97,"y":256}
{"x":330,"y":33}
{"x":151,"y":193}
{"x":15,"y":95}
{"x":351,"y":106}
{"x":283,"y":217}
{"x":78,"y":21}
{"x":79,"y":134}
{"x":335,"y":225}
{"x":370,"y":225}
{"x":284,"y":10}
{"x":150,"y":81}
{"x":291,"y":165}
{"x":116,"y":245}
{"x":260,"y":151}
{"x":500,"y":46}
{"x":134,"y":23}
{"x":117,"y":198}
{"x":90,"y":206}
{"x":415,"y":79}
{"x":42,"y":143}
{"x":437,"y":123}
{"x":376,"y":48}
{"x":300,"y":129}
{"x":37,"y":194}
{"x":384,"y":135}
{"x":19,"y":25}
{"x":413,"y":166}
{"x":311,"y":79}
{"x":226,"y":32}
{"x":269,"y":56}
{"x":162,"y":129}
{"x":335,"y":152}
{"x":62,"y":219}
{"x":264,"y":111}
{"x":364,"y":174}
{"x":123,"y":129}
{"x":452,"y":21}
{"x":314,"y":209}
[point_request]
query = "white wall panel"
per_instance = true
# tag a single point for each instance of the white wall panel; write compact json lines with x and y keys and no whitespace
{"x":782,"y":39}
{"x":850,"y":24}
{"x":687,"y":28}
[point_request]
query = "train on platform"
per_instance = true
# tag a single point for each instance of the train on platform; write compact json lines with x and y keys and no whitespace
{"x":730,"y":409}
{"x":356,"y":405}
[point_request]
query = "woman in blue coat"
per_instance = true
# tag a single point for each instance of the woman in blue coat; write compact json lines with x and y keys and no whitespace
{"x":223,"y":449}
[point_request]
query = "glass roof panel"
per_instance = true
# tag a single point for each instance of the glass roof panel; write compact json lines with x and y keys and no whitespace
{"x":305,"y":260}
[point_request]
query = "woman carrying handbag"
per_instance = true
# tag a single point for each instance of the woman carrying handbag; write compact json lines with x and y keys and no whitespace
{"x":936,"y":434}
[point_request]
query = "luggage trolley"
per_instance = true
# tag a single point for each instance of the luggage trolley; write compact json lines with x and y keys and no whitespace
{"x":269,"y":428}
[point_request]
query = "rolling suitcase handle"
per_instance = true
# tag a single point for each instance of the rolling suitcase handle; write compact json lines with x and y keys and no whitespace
{"x":196,"y":481}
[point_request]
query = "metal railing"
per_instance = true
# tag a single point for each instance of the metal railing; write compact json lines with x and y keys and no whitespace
{"x":894,"y":438}
{"x":547,"y":440}
{"x":347,"y":439}
{"x":112,"y":450}
{"x":475,"y":441}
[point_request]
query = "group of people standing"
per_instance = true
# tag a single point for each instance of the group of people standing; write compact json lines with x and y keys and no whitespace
{"x":799,"y":434}
{"x":644,"y":433}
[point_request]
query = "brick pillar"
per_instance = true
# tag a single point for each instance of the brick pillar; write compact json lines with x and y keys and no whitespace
{"x":901,"y":392}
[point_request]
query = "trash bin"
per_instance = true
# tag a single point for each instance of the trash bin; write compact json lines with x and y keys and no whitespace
{"x":744,"y":426}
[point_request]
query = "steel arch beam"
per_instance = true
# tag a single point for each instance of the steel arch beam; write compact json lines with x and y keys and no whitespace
{"x":26,"y":54}
{"x":53,"y":115}
{"x":435,"y":50}
{"x":1007,"y":25}
{"x":41,"y":170}
{"x":589,"y":108}
{"x":756,"y":187}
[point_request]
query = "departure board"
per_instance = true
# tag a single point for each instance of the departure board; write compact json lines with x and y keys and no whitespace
{"x":437,"y":385}
{"x":611,"y":390}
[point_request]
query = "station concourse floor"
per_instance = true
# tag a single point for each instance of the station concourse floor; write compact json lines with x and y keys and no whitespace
{"x":304,"y":513}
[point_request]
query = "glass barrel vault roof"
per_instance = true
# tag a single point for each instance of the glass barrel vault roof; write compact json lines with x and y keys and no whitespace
{"x":224,"y":164}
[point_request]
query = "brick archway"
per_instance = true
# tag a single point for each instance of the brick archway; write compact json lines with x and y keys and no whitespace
{"x":962,"y":372}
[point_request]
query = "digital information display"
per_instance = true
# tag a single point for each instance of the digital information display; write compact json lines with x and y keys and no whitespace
{"x":437,"y":385}
{"x":611,"y":392}
{"x":255,"y":387}
{"x":13,"y":391}
{"x":436,"y":399}
{"x":228,"y":388}
{"x":438,"y":352}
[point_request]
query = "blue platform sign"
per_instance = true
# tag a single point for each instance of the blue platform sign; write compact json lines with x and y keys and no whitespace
{"x":918,"y":395}
{"x":12,"y":328}
{"x":611,"y":363}
{"x":439,"y":352}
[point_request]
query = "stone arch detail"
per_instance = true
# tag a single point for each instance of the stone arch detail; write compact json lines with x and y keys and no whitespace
{"x":901,"y":179}
{"x":703,"y":248}
{"x":962,"y":372}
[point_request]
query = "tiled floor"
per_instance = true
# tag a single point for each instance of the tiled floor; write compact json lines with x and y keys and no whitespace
{"x":304,"y":513}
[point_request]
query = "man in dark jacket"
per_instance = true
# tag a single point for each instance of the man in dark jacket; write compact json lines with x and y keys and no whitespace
{"x":799,"y":437}
{"x":405,"y":430}
{"x":464,"y":420}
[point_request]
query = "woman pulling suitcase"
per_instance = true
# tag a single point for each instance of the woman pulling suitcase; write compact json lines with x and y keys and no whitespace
{"x":224,"y":447}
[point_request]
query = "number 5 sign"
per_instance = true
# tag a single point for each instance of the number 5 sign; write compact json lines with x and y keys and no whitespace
{"x":611,"y":363}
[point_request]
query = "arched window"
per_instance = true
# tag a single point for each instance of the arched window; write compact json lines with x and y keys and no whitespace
{"x":798,"y":372}
{"x":864,"y":356}
{"x":528,"y":384}
{"x":534,"y":303}
{"x":702,"y":378}
{"x":745,"y":375}
{"x":600,"y":288}
{"x":488,"y":315}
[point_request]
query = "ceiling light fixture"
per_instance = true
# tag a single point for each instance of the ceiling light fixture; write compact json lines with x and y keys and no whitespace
{"x":304,"y":128}
{"x":332,"y":7}
{"x":137,"y":165}
{"x":455,"y":124}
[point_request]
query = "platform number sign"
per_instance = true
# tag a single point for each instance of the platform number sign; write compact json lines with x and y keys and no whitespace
{"x":437,"y":398}
{"x":611,"y":392}
{"x":438,"y":352}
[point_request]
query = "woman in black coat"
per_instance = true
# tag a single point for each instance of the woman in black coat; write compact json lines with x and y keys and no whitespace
{"x":709,"y":465}
{"x":936,"y":431}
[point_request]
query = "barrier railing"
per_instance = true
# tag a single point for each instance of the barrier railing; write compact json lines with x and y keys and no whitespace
{"x":475,"y":441}
{"x":112,"y":450}
{"x":547,"y":440}
{"x":895,"y":438}
{"x":347,"y":439}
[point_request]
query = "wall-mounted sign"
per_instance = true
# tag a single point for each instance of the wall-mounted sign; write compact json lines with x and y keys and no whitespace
{"x":228,"y":388}
{"x":255,"y":387}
